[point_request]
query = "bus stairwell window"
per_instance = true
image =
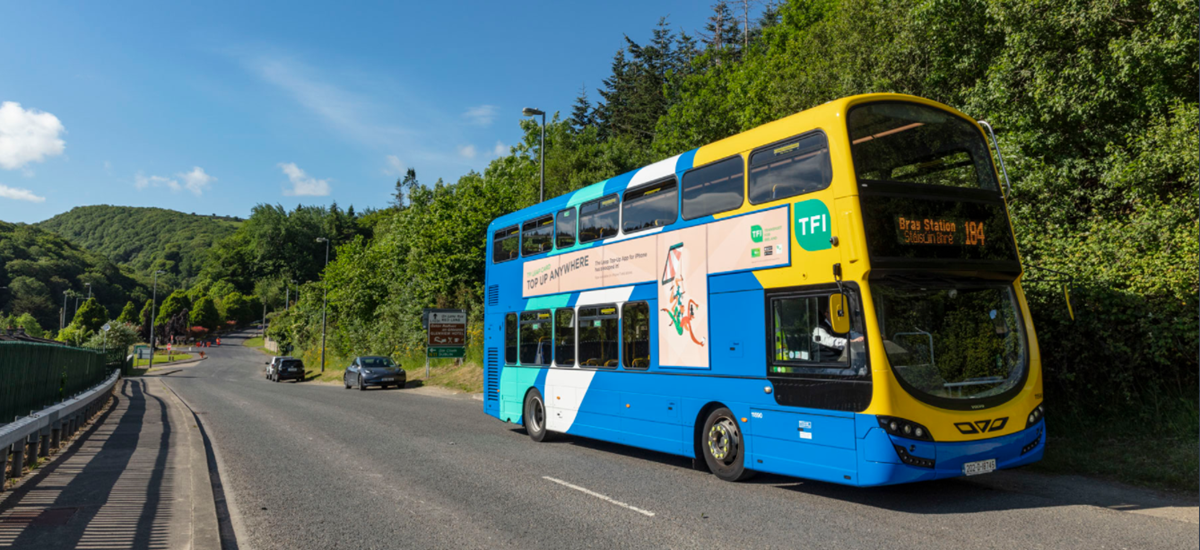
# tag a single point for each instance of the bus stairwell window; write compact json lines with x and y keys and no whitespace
{"x":536,"y":341}
{"x":598,"y":336}
{"x":651,"y":206}
{"x":635,"y":335}
{"x":564,"y":228}
{"x":598,"y":219}
{"x":791,"y":168}
{"x":537,"y":236}
{"x":510,"y":339}
{"x":715,"y":188}
{"x":505,"y":244}
{"x":802,"y":333}
{"x":564,"y":337}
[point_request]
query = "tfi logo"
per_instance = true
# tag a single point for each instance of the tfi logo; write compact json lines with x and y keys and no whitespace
{"x":812,"y":225}
{"x":756,"y":233}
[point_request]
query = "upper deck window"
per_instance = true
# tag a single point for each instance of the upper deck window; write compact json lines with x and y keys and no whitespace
{"x":598,"y":219}
{"x":715,"y":188}
{"x":790,"y":168}
{"x":911,"y":143}
{"x":564,"y":228}
{"x":505,"y":243}
{"x":650,"y":206}
{"x":537,"y":236}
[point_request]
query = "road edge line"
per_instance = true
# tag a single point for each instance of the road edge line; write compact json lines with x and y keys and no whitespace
{"x":605,"y":498}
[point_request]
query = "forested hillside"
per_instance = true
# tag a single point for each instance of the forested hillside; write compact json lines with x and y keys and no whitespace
{"x":38,"y":266}
{"x":144,"y":239}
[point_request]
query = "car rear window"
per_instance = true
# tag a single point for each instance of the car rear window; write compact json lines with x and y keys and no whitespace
{"x":289,"y":364}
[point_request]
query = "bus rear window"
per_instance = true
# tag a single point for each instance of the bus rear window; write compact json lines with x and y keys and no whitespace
{"x":911,"y":143}
{"x":713,"y":189}
{"x":537,"y":236}
{"x":510,"y":339}
{"x":649,"y":207}
{"x":790,"y":168}
{"x":505,"y":243}
{"x":564,"y":228}
{"x":598,"y":336}
{"x":598,"y":219}
{"x":535,"y":337}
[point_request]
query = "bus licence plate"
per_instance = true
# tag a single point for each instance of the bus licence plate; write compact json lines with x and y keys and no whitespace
{"x":981,"y":467}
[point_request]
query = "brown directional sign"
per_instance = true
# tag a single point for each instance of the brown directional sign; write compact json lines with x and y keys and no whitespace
{"x":447,"y":328}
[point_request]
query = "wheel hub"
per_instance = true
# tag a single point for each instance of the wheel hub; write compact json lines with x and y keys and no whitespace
{"x":723,"y":440}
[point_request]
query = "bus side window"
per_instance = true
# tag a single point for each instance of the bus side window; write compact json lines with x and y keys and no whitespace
{"x":791,"y":168}
{"x":510,"y":339}
{"x":803,"y":334}
{"x":598,"y":219}
{"x":537,"y":236}
{"x":635,"y":335}
{"x":536,"y":341}
{"x":505,"y":243}
{"x":564,"y":337}
{"x":651,"y":206}
{"x":598,"y":336}
{"x":714,"y":188}
{"x":564,"y":228}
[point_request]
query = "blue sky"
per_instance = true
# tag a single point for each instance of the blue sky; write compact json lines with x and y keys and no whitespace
{"x":218,"y":106}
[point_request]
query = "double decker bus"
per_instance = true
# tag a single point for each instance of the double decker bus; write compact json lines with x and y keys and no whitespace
{"x":834,"y":295}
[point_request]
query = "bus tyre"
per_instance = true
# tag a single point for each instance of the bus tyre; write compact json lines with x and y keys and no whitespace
{"x":534,"y":416}
{"x":723,"y":447}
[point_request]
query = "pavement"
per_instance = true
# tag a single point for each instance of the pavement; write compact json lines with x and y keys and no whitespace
{"x":304,"y":465}
{"x":137,"y":477}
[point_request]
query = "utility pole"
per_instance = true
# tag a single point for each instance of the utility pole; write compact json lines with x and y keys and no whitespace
{"x":153,"y":303}
{"x":530,"y":111}
{"x":62,"y":317}
{"x":324,"y":300}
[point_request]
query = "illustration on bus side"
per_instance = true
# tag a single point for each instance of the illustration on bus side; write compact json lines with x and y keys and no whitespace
{"x":673,"y":277}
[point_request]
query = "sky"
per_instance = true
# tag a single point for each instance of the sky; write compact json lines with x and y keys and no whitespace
{"x":218,"y":106}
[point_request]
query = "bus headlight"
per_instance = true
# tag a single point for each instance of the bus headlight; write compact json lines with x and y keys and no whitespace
{"x":1036,"y":416}
{"x":900,"y":427}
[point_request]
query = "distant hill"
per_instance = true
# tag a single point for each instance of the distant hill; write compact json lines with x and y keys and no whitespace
{"x":37,"y":266}
{"x":144,"y":239}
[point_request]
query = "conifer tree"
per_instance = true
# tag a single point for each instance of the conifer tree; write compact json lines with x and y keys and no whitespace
{"x":581,"y":113}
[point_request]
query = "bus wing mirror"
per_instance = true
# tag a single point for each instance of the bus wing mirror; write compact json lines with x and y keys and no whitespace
{"x":839,"y":315}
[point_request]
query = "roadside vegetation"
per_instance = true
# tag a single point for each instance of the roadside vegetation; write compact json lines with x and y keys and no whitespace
{"x":1095,"y":110}
{"x":162,"y":359}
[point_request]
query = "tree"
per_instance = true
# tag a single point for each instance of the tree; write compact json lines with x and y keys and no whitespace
{"x":176,"y":302}
{"x":120,"y":336}
{"x":235,"y":307}
{"x":581,"y":112}
{"x":91,"y":316}
{"x":204,"y":314}
{"x":29,"y":324}
{"x":405,"y":187}
{"x":145,"y":320}
{"x":128,"y":314}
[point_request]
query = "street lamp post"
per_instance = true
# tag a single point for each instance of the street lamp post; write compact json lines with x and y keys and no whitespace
{"x":62,"y":319}
{"x":530,"y":111}
{"x":89,"y":285}
{"x":324,"y":299}
{"x":153,"y":303}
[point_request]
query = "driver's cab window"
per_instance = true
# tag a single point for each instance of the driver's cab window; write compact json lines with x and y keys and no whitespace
{"x":806,"y":339}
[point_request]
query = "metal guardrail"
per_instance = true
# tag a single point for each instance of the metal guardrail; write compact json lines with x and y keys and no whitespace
{"x":44,"y":429}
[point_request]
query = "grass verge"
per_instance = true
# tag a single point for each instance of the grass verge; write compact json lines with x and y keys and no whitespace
{"x":161,"y":359}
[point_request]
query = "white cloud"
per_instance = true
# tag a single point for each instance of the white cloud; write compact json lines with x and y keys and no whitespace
{"x":18,"y":194}
{"x":500,"y":149}
{"x":196,"y":181}
{"x":482,"y":115}
{"x":467,"y":151}
{"x":394,"y":166}
{"x":28,"y":135}
{"x":303,"y":185}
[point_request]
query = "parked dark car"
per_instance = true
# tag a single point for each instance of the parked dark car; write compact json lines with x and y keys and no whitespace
{"x":288,"y":369}
{"x":373,"y":371}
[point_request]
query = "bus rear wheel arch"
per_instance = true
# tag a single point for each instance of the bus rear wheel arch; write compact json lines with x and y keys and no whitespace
{"x":722,"y":444}
{"x":533,"y":416}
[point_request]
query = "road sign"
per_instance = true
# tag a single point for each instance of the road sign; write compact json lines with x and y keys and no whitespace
{"x":446,"y":353}
{"x":446,"y":328}
{"x":107,"y":327}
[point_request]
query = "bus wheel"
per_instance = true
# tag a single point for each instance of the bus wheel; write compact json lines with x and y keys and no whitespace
{"x":535,"y":417}
{"x":724,"y":450}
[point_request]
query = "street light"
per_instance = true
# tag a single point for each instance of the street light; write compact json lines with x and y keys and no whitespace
{"x":530,"y":111}
{"x":89,"y":285}
{"x":62,"y":319}
{"x":324,"y":298}
{"x":153,"y":302}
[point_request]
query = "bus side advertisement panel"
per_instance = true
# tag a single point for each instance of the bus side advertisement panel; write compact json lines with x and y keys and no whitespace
{"x":683,"y":298}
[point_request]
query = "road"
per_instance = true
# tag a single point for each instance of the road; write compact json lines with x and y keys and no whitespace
{"x":316,"y":466}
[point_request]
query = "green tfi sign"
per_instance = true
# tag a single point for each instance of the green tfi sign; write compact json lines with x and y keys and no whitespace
{"x":447,"y":353}
{"x":812,"y":225}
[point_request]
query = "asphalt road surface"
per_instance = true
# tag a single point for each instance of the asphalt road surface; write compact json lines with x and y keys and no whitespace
{"x":317,"y":466}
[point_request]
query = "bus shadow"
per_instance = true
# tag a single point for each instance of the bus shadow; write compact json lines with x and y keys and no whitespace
{"x":1000,"y":491}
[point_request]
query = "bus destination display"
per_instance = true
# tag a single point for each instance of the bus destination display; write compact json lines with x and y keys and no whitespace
{"x":917,"y":230}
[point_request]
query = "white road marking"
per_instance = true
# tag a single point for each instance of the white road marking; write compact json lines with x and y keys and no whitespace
{"x":600,"y":496}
